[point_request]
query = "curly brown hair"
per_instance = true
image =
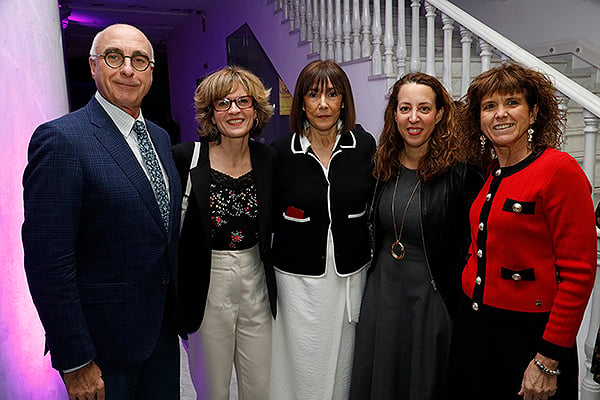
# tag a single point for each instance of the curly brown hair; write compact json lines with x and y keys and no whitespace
{"x":217,"y":86}
{"x":444,"y":149}
{"x":511,"y":78}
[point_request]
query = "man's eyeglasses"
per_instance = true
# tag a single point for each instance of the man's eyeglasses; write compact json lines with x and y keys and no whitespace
{"x":241,"y":102}
{"x":114,"y":59}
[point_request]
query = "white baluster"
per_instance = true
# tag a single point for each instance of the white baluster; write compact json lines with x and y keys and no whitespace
{"x":388,"y":40}
{"x":485,"y":54}
{"x":323,"y":31}
{"x":430,"y":49}
{"x":448,"y":27}
{"x":355,"y":29}
{"x":376,"y":59}
{"x":465,"y":78}
{"x":401,"y":42}
{"x":590,"y":390}
{"x":316,"y":23}
{"x":302,"y":19}
{"x":309,"y":27}
{"x":563,"y":108}
{"x":347,"y":29}
{"x":338,"y":31}
{"x":330,"y":33}
{"x":590,"y":131}
{"x":366,"y":26}
{"x":296,"y":14}
{"x":415,"y":51}
{"x":286,"y":10}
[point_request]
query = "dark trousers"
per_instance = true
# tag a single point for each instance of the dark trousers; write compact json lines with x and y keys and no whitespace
{"x":156,"y":378}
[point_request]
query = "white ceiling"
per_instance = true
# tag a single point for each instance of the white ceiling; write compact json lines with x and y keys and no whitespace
{"x":156,"y":18}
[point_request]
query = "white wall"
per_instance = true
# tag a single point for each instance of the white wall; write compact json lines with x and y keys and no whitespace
{"x":33,"y":88}
{"x":532,"y":23}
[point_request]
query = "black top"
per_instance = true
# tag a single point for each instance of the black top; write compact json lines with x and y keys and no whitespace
{"x":233,"y":211}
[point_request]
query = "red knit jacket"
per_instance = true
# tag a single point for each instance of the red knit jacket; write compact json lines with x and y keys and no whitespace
{"x":533,"y":243}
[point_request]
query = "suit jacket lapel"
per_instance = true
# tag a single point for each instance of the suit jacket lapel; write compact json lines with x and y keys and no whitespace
{"x":115,"y":144}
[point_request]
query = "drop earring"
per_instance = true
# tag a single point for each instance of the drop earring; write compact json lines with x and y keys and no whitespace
{"x":530,"y":132}
{"x":482,"y":143}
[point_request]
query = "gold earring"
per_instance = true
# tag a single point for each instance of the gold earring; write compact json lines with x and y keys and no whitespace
{"x":482,"y":143}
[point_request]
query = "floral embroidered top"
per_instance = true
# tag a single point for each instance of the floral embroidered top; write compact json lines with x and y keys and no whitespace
{"x":233,"y":211}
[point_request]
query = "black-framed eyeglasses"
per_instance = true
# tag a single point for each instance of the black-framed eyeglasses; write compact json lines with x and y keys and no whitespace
{"x":241,"y":102}
{"x":115,"y":59}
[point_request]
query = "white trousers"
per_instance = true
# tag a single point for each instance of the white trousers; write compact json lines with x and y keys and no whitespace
{"x":236,"y":329}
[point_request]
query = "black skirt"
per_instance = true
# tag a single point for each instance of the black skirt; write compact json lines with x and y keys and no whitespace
{"x":491,"y":349}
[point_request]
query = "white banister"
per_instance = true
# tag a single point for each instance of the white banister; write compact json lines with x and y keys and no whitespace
{"x":448,"y":27}
{"x":388,"y":40}
{"x":575,"y":91}
{"x":485,"y":52}
{"x":292,"y":14}
{"x":347,"y":30}
{"x":376,"y":61}
{"x":590,"y":131}
{"x":430,"y":42}
{"x":401,"y":40}
{"x":338,"y":31}
{"x":415,"y":51}
{"x":330,"y":33}
{"x":355,"y":29}
{"x":590,"y":390}
{"x":286,"y":11}
{"x":366,"y":32}
{"x":465,"y":78}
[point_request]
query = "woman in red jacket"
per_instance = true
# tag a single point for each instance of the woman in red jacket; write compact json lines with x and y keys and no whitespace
{"x":532,"y":259}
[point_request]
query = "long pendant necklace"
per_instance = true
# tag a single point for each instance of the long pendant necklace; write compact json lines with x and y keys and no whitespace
{"x":398,"y":250}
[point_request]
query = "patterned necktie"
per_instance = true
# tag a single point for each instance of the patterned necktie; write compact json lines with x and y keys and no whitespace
{"x":153,"y":168}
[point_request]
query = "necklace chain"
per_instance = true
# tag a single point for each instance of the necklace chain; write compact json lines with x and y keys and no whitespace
{"x":397,"y":245}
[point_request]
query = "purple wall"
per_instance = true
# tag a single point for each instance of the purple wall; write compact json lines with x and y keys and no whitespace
{"x":194,"y":53}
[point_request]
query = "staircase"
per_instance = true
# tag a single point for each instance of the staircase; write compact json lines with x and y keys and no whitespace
{"x":381,"y":40}
{"x":394,"y":37}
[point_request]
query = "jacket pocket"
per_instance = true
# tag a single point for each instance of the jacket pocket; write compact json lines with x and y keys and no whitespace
{"x":103,"y":293}
{"x":519,"y":207}
{"x":360,"y":214}
{"x":527,"y":274}
{"x":294,"y":219}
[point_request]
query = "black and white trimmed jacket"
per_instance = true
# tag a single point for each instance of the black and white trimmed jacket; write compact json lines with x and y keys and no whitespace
{"x":310,"y":199}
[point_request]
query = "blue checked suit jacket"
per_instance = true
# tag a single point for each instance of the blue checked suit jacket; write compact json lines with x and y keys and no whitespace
{"x":99,"y":262}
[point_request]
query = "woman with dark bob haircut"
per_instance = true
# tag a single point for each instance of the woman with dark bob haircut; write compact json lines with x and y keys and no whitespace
{"x":532,"y":257}
{"x":321,"y":242}
{"x":421,"y":234}
{"x":227,"y":292}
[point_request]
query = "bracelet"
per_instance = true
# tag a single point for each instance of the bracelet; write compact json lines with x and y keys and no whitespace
{"x":546,"y":370}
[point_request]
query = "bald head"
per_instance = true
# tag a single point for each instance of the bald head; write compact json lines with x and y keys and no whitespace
{"x":97,"y":38}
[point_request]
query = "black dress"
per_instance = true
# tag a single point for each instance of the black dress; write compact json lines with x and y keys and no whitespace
{"x":403,"y":335}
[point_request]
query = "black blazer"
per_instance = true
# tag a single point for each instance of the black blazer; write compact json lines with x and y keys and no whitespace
{"x":307,"y":202}
{"x":195,"y":241}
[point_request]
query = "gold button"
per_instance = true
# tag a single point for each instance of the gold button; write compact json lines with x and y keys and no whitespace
{"x":488,"y":196}
{"x":481,"y":226}
{"x":517,"y":207}
{"x":538,"y":303}
{"x":516,"y":277}
{"x":478,"y":280}
{"x":479,"y":253}
{"x":498,"y":172}
{"x":475,"y":306}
